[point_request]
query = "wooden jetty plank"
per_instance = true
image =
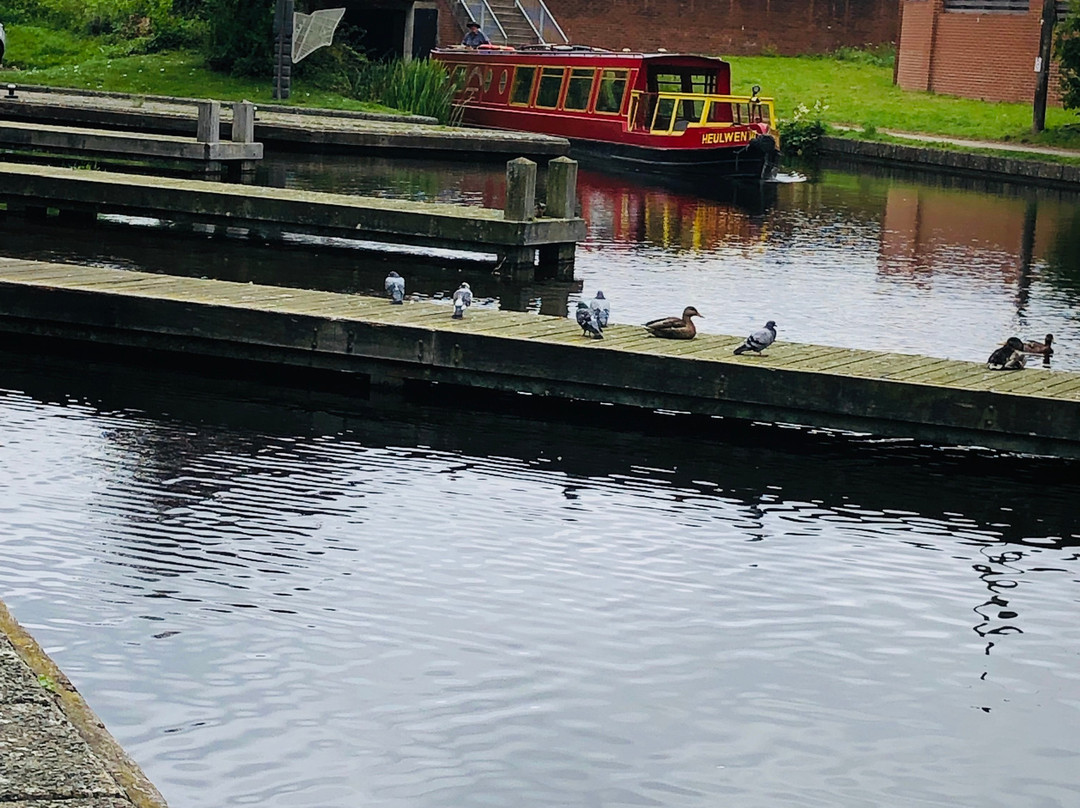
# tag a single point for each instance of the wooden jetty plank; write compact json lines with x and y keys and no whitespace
{"x":276,"y":211}
{"x":822,"y":386}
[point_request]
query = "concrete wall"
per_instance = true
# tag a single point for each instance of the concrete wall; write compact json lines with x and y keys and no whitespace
{"x":719,"y":27}
{"x":974,"y":55}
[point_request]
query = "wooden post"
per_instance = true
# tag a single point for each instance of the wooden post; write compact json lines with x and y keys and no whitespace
{"x":1042,"y":64}
{"x":243,"y":122}
{"x":520,"y":190}
{"x":561,"y":188}
{"x":209,"y":129}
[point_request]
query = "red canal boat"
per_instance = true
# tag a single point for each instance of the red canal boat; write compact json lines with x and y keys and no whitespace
{"x":645,"y":111}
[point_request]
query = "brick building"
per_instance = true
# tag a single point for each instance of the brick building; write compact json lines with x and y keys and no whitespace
{"x":981,"y":49}
{"x":717,"y":27}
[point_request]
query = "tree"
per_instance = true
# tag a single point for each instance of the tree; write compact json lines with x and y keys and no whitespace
{"x":1067,"y":51}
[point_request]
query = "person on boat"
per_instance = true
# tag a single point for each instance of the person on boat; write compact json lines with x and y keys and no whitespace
{"x":475,"y":38}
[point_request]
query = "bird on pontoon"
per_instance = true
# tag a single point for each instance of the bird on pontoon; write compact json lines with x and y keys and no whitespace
{"x":588,"y":320}
{"x":675,"y":327}
{"x":1009,"y":356}
{"x":462,"y":300}
{"x":395,"y":287}
{"x":759,"y":340}
{"x":602,"y":307}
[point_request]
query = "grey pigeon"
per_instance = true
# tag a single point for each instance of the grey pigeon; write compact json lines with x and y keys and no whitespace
{"x":759,"y":340}
{"x":395,"y":287}
{"x":462,"y":300}
{"x":602,"y":307}
{"x":1009,"y":356}
{"x":589,"y":321}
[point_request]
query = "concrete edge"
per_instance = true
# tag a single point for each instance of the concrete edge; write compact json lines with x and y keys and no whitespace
{"x":123,"y":769}
{"x":1006,"y":168}
{"x":173,"y":99}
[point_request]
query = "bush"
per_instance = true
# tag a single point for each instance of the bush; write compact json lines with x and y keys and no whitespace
{"x":875,"y":55}
{"x":801,"y":135}
{"x":240,"y":36}
{"x":1067,"y":51}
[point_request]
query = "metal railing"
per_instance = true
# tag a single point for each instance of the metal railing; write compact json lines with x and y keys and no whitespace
{"x":480,"y":12}
{"x":544,"y":25}
{"x":672,"y":113}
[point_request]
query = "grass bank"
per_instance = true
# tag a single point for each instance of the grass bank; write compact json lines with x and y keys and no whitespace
{"x":857,"y":93}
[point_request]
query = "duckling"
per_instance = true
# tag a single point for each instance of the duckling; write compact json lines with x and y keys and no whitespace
{"x":675,"y":327}
{"x":602,"y":307}
{"x":1009,"y":356}
{"x":759,"y":340}
{"x":395,"y":287}
{"x":1043,"y":348}
{"x":588,"y":320}
{"x":462,"y":300}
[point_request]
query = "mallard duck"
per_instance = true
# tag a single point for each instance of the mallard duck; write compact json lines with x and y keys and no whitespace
{"x":675,"y":327}
{"x":1009,"y":356}
{"x":395,"y":287}
{"x":588,"y":320}
{"x":462,"y":300}
{"x":1043,"y":348}
{"x":759,"y":340}
{"x":602,"y":307}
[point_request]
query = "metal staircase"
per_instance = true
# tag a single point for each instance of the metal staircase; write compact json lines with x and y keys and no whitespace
{"x":511,"y":22}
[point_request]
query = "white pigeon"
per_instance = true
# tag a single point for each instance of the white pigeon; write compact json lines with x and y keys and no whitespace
{"x":462,"y":300}
{"x":395,"y":287}
{"x":602,"y":309}
{"x":759,"y":340}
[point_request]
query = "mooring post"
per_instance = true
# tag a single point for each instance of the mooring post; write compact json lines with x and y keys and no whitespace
{"x":557,"y":260}
{"x":209,"y":129}
{"x":243,"y":122}
{"x":520,"y":190}
{"x":561,"y":188}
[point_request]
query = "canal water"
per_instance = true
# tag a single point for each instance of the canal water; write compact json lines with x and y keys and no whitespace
{"x":277,"y":593}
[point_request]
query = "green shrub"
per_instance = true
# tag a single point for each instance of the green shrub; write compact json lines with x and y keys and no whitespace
{"x":801,"y":134}
{"x":874,"y":55}
{"x":240,"y":36}
{"x":1067,"y":51}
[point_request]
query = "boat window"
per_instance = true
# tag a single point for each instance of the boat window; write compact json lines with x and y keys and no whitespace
{"x":487,"y":79}
{"x":521,"y":92}
{"x":722,"y":112}
{"x":579,"y":88}
{"x":502,"y":81}
{"x":609,"y":99}
{"x":684,"y":82}
{"x":690,"y":110}
{"x":550,"y":86}
{"x":665,"y":111}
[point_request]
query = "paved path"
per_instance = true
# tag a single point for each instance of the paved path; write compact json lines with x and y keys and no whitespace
{"x":54,"y":752}
{"x":997,"y":145}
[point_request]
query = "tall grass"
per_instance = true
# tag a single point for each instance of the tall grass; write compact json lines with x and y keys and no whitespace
{"x":422,"y":87}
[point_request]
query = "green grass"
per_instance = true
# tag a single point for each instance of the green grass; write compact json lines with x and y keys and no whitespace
{"x":862,"y":94}
{"x":59,"y":59}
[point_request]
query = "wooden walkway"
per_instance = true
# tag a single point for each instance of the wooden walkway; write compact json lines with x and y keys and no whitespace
{"x":270,"y":212}
{"x":944,"y":401}
{"x":280,"y":126}
{"x":130,"y":146}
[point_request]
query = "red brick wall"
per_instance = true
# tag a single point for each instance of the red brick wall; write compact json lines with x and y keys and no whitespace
{"x":722,"y":27}
{"x":985,"y":56}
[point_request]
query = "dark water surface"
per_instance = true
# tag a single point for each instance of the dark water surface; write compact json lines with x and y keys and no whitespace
{"x":282,"y":598}
{"x":294,"y":597}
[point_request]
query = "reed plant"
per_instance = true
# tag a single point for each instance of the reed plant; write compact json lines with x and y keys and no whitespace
{"x":421,"y":86}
